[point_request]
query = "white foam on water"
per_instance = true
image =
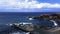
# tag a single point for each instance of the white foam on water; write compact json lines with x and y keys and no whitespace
{"x":55,"y":24}
{"x":30,"y":19}
{"x":20,"y":33}
{"x":28,"y":33}
{"x":9,"y":24}
{"x":16,"y":33}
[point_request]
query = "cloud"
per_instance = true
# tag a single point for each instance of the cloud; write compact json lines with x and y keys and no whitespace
{"x":25,"y":4}
{"x":48,"y":5}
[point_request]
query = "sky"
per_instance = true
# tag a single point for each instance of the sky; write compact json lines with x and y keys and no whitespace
{"x":29,"y":5}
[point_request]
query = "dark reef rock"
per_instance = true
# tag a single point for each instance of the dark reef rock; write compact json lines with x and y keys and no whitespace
{"x":25,"y":28}
{"x":42,"y":17}
{"x":55,"y":17}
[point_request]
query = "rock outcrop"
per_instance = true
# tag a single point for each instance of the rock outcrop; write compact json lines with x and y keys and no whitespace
{"x":55,"y":17}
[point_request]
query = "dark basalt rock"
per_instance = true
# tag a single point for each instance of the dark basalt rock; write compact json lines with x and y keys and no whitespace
{"x":48,"y":17}
{"x":35,"y":29}
{"x":25,"y":28}
{"x":43,"y":17}
{"x":30,"y":17}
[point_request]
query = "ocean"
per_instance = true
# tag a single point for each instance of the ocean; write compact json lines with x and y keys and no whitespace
{"x":17,"y":17}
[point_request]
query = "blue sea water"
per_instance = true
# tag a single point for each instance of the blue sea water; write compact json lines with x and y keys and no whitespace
{"x":17,"y":17}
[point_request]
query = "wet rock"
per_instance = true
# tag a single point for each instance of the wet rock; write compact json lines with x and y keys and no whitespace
{"x":26,"y":28}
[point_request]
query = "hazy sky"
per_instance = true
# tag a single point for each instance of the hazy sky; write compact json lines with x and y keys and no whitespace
{"x":29,"y":5}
